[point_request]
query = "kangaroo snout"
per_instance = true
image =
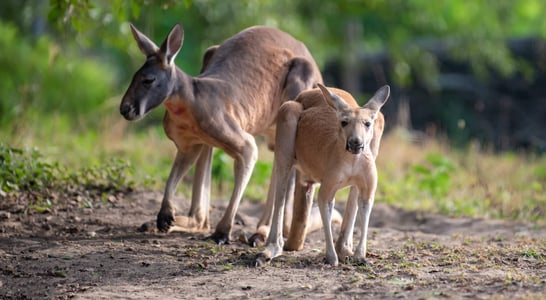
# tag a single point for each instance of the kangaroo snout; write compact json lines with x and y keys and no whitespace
{"x":355,"y":145}
{"x":128,"y":112}
{"x":124,"y":109}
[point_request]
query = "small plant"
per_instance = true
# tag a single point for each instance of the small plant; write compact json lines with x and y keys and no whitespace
{"x":222,"y":170}
{"x":531,"y":253}
{"x":24,"y":170}
{"x":107,"y":177}
{"x":222,"y":175}
{"x":435,"y":176}
{"x":26,"y":176}
{"x":216,"y":249}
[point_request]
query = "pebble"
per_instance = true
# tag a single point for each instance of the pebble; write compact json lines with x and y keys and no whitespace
{"x":4,"y":215}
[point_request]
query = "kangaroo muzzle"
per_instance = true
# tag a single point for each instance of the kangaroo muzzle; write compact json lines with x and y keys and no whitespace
{"x":128,"y":112}
{"x":355,"y":146}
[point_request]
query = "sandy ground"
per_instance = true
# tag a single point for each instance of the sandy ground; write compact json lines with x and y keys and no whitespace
{"x":97,"y":253}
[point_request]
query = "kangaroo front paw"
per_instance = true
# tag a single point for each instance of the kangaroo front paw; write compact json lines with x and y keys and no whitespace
{"x":165,"y":221}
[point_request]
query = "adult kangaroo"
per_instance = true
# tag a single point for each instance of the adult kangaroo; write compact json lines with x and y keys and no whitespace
{"x":237,"y":96}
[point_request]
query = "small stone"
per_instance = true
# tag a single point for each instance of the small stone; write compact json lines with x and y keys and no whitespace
{"x":5,"y":215}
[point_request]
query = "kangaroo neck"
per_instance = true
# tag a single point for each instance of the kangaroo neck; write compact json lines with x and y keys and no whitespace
{"x":182,"y":86}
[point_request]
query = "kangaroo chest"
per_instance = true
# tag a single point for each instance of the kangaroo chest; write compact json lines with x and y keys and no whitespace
{"x":180,"y":125}
{"x":339,"y":169}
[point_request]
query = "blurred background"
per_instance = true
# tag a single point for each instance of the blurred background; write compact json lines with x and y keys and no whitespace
{"x":465,"y":121}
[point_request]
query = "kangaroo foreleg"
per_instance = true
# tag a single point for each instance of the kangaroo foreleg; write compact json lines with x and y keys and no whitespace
{"x":200,"y":201}
{"x":326,"y":206}
{"x":344,"y":244}
{"x":365,"y":204}
{"x":181,"y":165}
{"x":365,"y":208}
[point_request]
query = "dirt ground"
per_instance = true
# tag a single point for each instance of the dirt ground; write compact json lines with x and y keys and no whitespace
{"x":98,"y":253}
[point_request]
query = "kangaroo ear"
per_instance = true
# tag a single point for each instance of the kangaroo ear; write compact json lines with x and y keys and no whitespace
{"x":172,"y":44}
{"x":332,"y":98}
{"x":379,"y":98}
{"x":146,"y":46}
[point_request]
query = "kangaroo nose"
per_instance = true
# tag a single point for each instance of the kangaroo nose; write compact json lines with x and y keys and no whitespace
{"x":355,"y":146}
{"x":124,"y":109}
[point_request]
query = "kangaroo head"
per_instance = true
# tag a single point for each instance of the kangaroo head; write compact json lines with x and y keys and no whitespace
{"x":356,"y":123}
{"x":154,"y":81}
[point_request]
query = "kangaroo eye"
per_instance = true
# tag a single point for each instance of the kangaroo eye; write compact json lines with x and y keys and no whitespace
{"x":368,"y":124}
{"x":148,"y":80}
{"x":344,"y":123}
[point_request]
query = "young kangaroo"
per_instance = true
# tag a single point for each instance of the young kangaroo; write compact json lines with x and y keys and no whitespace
{"x":243,"y":83}
{"x":332,"y":141}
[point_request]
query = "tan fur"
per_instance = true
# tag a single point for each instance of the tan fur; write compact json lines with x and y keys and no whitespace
{"x":311,"y":137}
{"x":243,"y":83}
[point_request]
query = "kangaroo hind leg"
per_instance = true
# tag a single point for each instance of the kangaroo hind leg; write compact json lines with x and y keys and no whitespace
{"x":287,"y":122}
{"x":301,"y":76}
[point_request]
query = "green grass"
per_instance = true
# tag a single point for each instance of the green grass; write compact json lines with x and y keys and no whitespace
{"x":469,"y":182}
{"x":27,"y":178}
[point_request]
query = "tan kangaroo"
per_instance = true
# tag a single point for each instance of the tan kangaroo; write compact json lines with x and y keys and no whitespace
{"x":237,"y":96}
{"x":332,"y":141}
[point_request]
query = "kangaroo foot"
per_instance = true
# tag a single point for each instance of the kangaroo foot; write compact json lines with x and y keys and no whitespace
{"x":256,"y":240}
{"x":165,"y":221}
{"x":220,"y":238}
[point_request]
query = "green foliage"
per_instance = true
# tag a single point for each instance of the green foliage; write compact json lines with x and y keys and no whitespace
{"x":427,"y":185}
{"x":343,"y":29}
{"x":25,"y":171}
{"x":42,"y":77}
{"x":222,"y":170}
{"x":111,"y":176}
{"x":25,"y":174}
{"x":433,"y":177}
{"x":531,"y":252}
{"x":468,"y":183}
{"x":222,"y":176}
{"x":259,"y":183}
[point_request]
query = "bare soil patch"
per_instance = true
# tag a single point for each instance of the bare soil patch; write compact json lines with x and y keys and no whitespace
{"x":97,"y":253}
